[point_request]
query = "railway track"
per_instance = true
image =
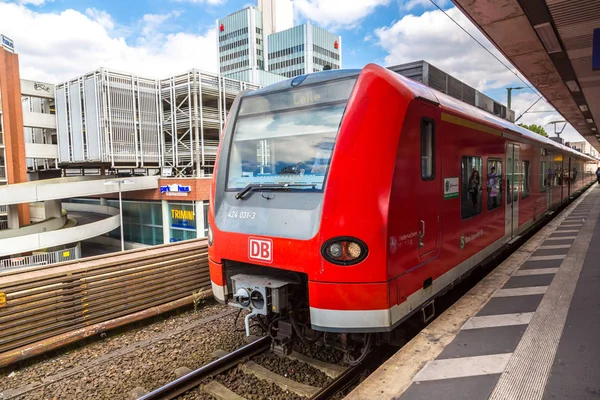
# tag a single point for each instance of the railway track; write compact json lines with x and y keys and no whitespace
{"x":242,"y":357}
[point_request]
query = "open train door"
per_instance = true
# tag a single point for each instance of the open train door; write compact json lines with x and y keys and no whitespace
{"x":429,"y":193}
{"x":513,"y":184}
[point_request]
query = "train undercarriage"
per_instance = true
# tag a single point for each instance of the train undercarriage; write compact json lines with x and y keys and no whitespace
{"x":277,"y":304}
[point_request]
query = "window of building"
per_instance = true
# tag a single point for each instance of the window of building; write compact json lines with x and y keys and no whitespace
{"x":182,"y":221}
{"x":427,"y":149}
{"x":471,"y":186}
{"x":494,"y":183}
{"x":526,"y":187}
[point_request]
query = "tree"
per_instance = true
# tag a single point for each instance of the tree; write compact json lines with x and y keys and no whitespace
{"x":535,"y":128}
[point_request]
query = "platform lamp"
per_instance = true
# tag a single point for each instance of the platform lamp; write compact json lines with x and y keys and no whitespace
{"x":119,"y":182}
{"x":509,"y":96}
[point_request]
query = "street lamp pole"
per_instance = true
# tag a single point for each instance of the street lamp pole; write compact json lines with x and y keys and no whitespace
{"x":119,"y":182}
{"x":509,"y":97}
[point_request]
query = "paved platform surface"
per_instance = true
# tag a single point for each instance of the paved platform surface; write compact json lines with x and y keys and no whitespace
{"x":529,"y":330}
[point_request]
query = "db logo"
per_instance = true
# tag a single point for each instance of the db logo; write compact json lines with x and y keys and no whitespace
{"x":260,"y":249}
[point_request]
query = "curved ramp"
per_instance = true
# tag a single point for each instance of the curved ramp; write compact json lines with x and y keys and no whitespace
{"x":66,"y":188}
{"x":92,"y":228}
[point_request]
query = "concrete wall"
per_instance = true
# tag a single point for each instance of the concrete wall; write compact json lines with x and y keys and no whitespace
{"x":48,"y":225}
{"x":39,"y":150}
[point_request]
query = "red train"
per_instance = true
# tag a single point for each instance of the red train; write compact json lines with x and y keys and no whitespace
{"x":345,"y":201}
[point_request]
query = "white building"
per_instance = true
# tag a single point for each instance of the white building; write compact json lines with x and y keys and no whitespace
{"x":261,"y":45}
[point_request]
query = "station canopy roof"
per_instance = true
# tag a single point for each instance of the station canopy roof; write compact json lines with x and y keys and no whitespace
{"x":551,"y":43}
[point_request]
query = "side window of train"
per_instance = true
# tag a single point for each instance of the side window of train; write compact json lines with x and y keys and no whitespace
{"x":494,"y":183}
{"x":471,"y":187}
{"x":427,"y":149}
{"x":509,"y":175}
{"x":526,"y":181}
{"x":544,"y":176}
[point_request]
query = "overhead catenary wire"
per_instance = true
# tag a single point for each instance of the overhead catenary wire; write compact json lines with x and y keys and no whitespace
{"x":493,"y":55}
{"x":485,"y":48}
{"x":530,"y":107}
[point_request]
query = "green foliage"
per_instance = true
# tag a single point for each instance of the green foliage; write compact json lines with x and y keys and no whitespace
{"x":535,"y":128}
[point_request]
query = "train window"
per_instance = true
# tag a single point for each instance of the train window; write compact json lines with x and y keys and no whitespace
{"x":471,"y":187}
{"x":509,"y":176}
{"x":427,"y":149}
{"x":494,"y":183}
{"x":544,"y":176}
{"x":526,"y":187}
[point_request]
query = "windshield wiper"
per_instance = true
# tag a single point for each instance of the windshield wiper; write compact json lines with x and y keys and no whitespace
{"x":271,"y":186}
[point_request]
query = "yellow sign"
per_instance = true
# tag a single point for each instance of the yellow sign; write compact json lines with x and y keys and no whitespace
{"x":182,"y":214}
{"x":66,"y":254}
{"x":2,"y":299}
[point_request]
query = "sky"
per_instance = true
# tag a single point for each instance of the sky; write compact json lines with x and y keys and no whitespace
{"x":61,"y":39}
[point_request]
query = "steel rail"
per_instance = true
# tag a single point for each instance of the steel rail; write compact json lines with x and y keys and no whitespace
{"x":195,"y":378}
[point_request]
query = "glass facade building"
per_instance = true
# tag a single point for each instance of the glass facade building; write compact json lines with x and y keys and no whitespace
{"x":303,"y":49}
{"x":157,"y":222}
{"x":247,"y":53}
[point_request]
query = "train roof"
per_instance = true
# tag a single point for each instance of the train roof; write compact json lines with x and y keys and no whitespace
{"x":459,"y":107}
{"x":420,"y":90}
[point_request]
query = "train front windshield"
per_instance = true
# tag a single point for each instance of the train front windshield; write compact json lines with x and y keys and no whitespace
{"x":287,"y":136}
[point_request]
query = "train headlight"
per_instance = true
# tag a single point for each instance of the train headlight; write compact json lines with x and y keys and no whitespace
{"x":344,"y":250}
{"x":210,"y":236}
{"x":335,"y":250}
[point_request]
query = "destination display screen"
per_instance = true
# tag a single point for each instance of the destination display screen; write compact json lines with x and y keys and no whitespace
{"x":315,"y":95}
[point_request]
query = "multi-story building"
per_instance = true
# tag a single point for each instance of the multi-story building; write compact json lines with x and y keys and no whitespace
{"x":584,"y":147}
{"x":260,"y":45}
{"x":154,"y":140}
{"x":303,"y":49}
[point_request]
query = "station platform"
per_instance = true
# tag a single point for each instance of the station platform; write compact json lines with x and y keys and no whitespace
{"x":528,"y":330}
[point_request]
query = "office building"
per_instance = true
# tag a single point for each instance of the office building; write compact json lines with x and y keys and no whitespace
{"x":260,"y":45}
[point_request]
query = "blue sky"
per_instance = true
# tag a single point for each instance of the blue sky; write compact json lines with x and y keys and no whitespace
{"x":62,"y":39}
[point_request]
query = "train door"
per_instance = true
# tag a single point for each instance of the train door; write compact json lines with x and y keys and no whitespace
{"x":428,"y":195}
{"x":512,"y":189}
{"x":569,"y":178}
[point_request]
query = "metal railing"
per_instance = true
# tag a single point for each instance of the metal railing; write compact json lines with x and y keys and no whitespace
{"x":51,"y":257}
{"x":3,"y":209}
{"x":44,"y":308}
{"x":3,"y":224}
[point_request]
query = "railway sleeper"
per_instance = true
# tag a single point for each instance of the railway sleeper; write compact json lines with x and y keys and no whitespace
{"x":301,"y":389}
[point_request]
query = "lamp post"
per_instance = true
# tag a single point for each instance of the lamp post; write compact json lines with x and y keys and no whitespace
{"x":509,"y":96}
{"x":119,"y":182}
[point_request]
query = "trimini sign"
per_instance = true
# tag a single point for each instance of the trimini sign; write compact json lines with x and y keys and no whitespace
{"x":175,"y":190}
{"x":183,"y":219}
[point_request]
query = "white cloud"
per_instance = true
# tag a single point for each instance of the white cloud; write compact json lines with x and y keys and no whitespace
{"x":212,"y":2}
{"x":101,"y":17}
{"x":59,"y":46}
{"x":336,"y":14}
{"x":433,"y":37}
{"x":34,"y":2}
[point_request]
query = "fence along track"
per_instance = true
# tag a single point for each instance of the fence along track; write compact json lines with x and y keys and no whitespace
{"x":41,"y":303}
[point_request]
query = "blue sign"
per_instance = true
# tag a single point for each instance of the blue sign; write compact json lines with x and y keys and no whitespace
{"x":596,"y":51}
{"x":8,"y":44}
{"x":176,"y":189}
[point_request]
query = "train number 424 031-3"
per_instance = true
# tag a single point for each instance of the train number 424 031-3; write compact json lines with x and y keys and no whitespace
{"x":241,"y":214}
